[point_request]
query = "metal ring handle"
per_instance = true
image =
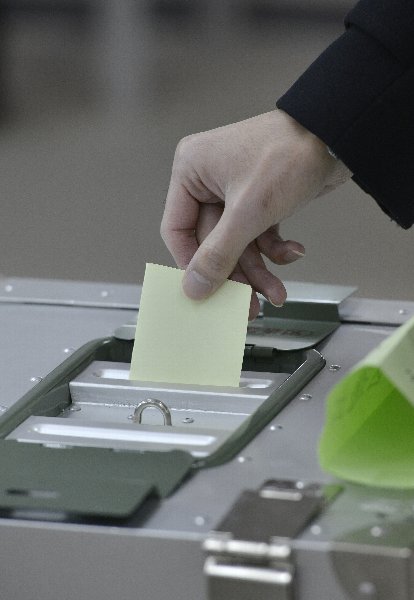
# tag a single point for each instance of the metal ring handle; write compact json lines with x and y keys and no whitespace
{"x":154,"y":403}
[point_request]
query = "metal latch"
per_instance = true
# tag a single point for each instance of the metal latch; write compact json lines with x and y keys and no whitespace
{"x":249,"y":555}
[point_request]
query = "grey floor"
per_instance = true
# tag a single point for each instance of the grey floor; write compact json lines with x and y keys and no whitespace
{"x":93,"y":117}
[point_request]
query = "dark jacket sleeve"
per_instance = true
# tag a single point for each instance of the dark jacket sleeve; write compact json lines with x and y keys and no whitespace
{"x":358,"y":97}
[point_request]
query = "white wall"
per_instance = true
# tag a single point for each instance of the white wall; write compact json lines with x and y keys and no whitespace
{"x":85,"y":154}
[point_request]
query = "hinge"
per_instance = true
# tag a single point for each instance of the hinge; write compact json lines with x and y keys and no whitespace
{"x":249,"y":555}
{"x":258,"y":352}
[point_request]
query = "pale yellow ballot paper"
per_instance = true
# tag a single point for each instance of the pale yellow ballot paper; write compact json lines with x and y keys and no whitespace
{"x":185,"y":341}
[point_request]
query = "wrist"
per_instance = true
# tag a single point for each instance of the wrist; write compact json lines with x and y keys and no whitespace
{"x":322,"y":157}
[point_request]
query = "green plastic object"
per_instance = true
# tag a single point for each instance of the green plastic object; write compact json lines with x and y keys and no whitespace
{"x":369,"y":432}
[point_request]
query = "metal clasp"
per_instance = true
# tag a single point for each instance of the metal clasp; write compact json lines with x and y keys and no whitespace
{"x":153,"y":403}
{"x":250,"y":557}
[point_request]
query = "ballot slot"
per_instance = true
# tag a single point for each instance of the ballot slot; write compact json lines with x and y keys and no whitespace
{"x":86,"y":415}
{"x":104,"y":401}
{"x":88,"y":401}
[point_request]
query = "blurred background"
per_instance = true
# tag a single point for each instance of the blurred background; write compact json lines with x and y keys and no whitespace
{"x":95,"y":95}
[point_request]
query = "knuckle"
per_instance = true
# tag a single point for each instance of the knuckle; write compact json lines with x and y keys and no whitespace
{"x":186,"y":148}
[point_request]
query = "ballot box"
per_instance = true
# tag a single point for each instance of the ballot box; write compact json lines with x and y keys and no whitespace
{"x":115,"y":488}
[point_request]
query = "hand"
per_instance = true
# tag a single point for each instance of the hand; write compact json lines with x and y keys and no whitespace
{"x":230,"y":188}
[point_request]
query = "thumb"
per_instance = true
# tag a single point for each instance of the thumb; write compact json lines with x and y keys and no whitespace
{"x":215,"y":259}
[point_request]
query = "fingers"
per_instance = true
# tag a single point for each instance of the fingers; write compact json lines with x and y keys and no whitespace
{"x":254,"y":308}
{"x":279,"y":251}
{"x":250,"y":200}
{"x":209,"y":216}
{"x":260,"y":278}
{"x":249,"y":266}
{"x":216,"y":258}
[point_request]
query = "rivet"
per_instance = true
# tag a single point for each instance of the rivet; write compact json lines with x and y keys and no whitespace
{"x":74,"y":408}
{"x":316,"y":529}
{"x":35,"y":379}
{"x":402,"y":311}
{"x":243,"y":459}
{"x":3,"y":408}
{"x":188,"y":420}
{"x":377,"y":531}
{"x":334,"y":368}
{"x":104,"y":294}
{"x":275,"y":427}
{"x":200,"y":520}
{"x":69,"y":350}
{"x":8,"y":288}
{"x":305,"y":397}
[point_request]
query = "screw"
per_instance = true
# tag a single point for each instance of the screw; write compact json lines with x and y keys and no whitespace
{"x":305,"y":397}
{"x":200,"y":520}
{"x":334,"y":368}
{"x":36,"y":379}
{"x":3,"y":408}
{"x":68,"y":350}
{"x":74,"y":408}
{"x":243,"y":459}
{"x":104,"y":294}
{"x":275,"y":427}
{"x":188,"y":420}
{"x":377,"y":531}
{"x":316,"y":529}
{"x":8,"y":288}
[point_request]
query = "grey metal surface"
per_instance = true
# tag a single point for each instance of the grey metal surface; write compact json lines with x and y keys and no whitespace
{"x":374,"y":311}
{"x":61,"y":560}
{"x":104,"y":402}
{"x":242,"y":582}
{"x":51,"y":561}
{"x":319,"y":293}
{"x":71,"y":293}
{"x":293,"y":326}
{"x":250,"y":557}
{"x":105,"y":382}
{"x":310,"y":313}
{"x":36,"y":338}
{"x":98,"y":434}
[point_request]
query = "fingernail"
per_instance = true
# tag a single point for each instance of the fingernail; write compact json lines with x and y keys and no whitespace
{"x":196,"y":286}
{"x":292,"y":255}
{"x":276,"y":304}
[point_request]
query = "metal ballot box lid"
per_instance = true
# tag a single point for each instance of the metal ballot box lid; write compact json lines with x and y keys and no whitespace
{"x":187,"y":540}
